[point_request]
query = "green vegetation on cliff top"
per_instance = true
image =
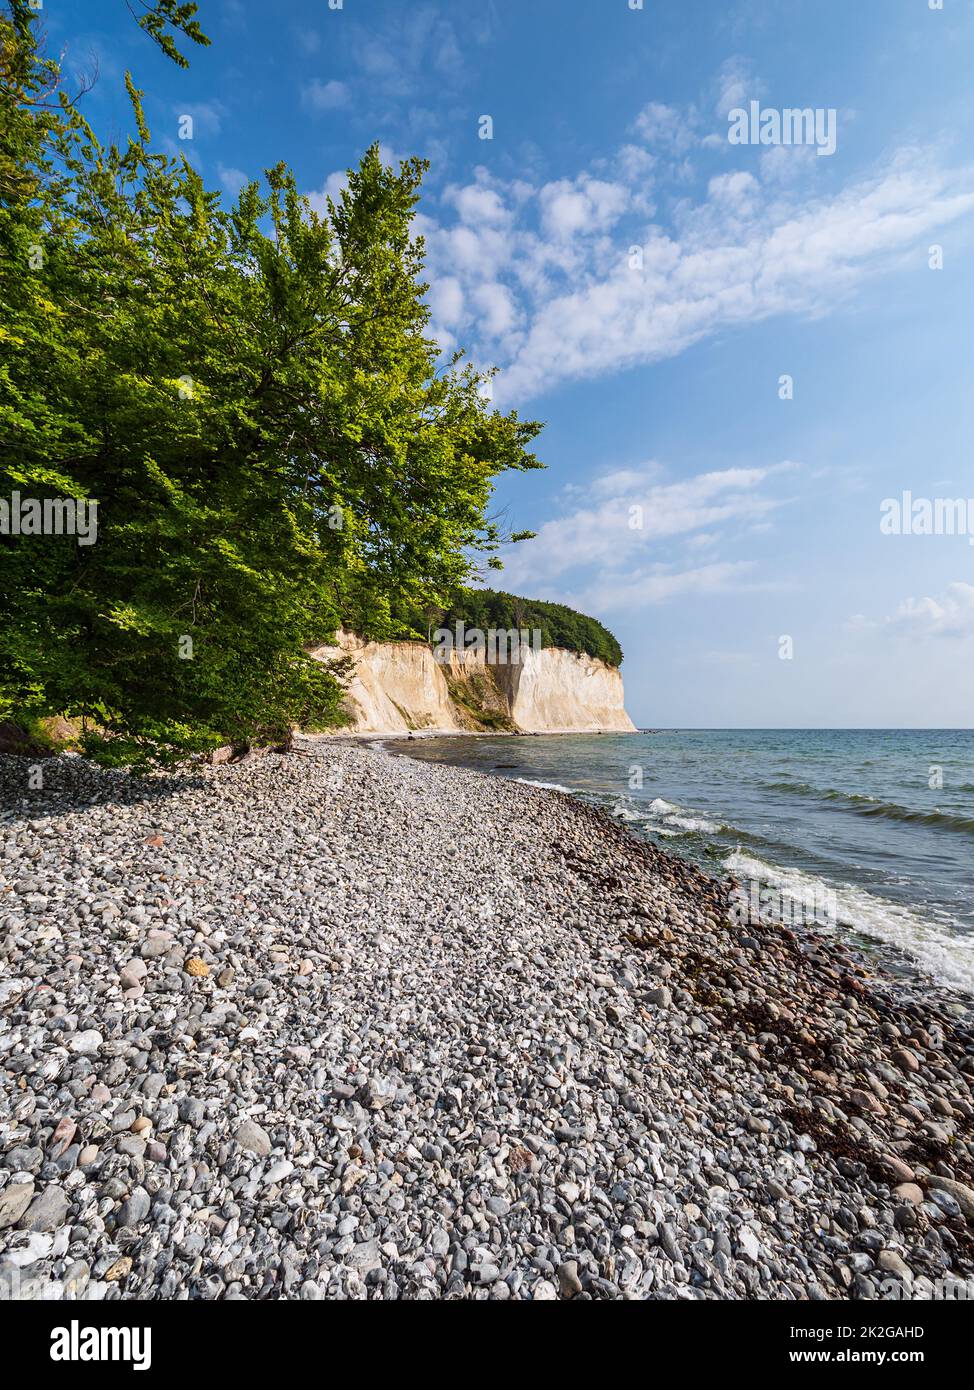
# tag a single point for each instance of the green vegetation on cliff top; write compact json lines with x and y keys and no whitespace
{"x":488,"y":609}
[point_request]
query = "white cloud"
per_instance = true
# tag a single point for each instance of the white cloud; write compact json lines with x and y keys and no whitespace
{"x":323,"y":96}
{"x":786,"y":163}
{"x":666,"y":128}
{"x":331,"y":188}
{"x":622,"y":520}
{"x":477,"y":204}
{"x":308,"y":39}
{"x":735,"y":86}
{"x":446,"y":301}
{"x":951,"y":615}
{"x":232,"y":179}
{"x":859,"y":624}
{"x":498,"y":312}
{"x":735,"y":191}
{"x":415,"y":42}
{"x":636,"y":165}
{"x":624,"y":482}
{"x":738,"y":257}
{"x":207,"y":117}
{"x":579,"y":304}
{"x":624,"y":593}
{"x":583,"y":205}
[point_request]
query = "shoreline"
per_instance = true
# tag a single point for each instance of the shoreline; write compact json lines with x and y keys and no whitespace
{"x":898,"y":935}
{"x":365,"y":1026}
{"x":411,"y":735}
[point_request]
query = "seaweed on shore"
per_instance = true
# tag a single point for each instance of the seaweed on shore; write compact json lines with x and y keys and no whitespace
{"x":835,"y":1139}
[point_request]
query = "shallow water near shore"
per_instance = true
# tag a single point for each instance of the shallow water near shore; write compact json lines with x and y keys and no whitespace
{"x":843,"y":817}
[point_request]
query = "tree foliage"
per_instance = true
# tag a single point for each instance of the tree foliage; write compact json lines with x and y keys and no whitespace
{"x":487,"y":608}
{"x":158,"y":17}
{"x":250,"y":395}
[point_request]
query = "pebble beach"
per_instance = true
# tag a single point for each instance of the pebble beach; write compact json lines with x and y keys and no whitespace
{"x":336,"y":1024}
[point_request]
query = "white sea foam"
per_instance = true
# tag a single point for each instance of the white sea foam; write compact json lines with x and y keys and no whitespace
{"x":675,"y":820}
{"x":546,"y":786}
{"x":948,"y":958}
{"x":694,"y":825}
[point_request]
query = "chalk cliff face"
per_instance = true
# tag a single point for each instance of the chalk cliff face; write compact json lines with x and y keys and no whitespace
{"x":395,"y":687}
{"x":556,"y":691}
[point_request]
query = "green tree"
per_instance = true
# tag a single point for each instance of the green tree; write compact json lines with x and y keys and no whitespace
{"x":559,"y":626}
{"x":158,"y":17}
{"x":250,"y":396}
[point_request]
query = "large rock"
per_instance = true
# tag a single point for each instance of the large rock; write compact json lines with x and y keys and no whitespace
{"x":963,"y":1196}
{"x":255,"y":1140}
{"x":14,"y":1201}
{"x":47,"y":1211}
{"x":135,"y":1208}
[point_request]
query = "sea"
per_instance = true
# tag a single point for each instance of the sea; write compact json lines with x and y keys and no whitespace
{"x":867,"y":833}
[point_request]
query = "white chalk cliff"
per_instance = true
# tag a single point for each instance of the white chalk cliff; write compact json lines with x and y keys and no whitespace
{"x":396,"y":687}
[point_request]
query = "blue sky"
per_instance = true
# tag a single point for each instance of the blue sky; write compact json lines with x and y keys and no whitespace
{"x":698,"y":514}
